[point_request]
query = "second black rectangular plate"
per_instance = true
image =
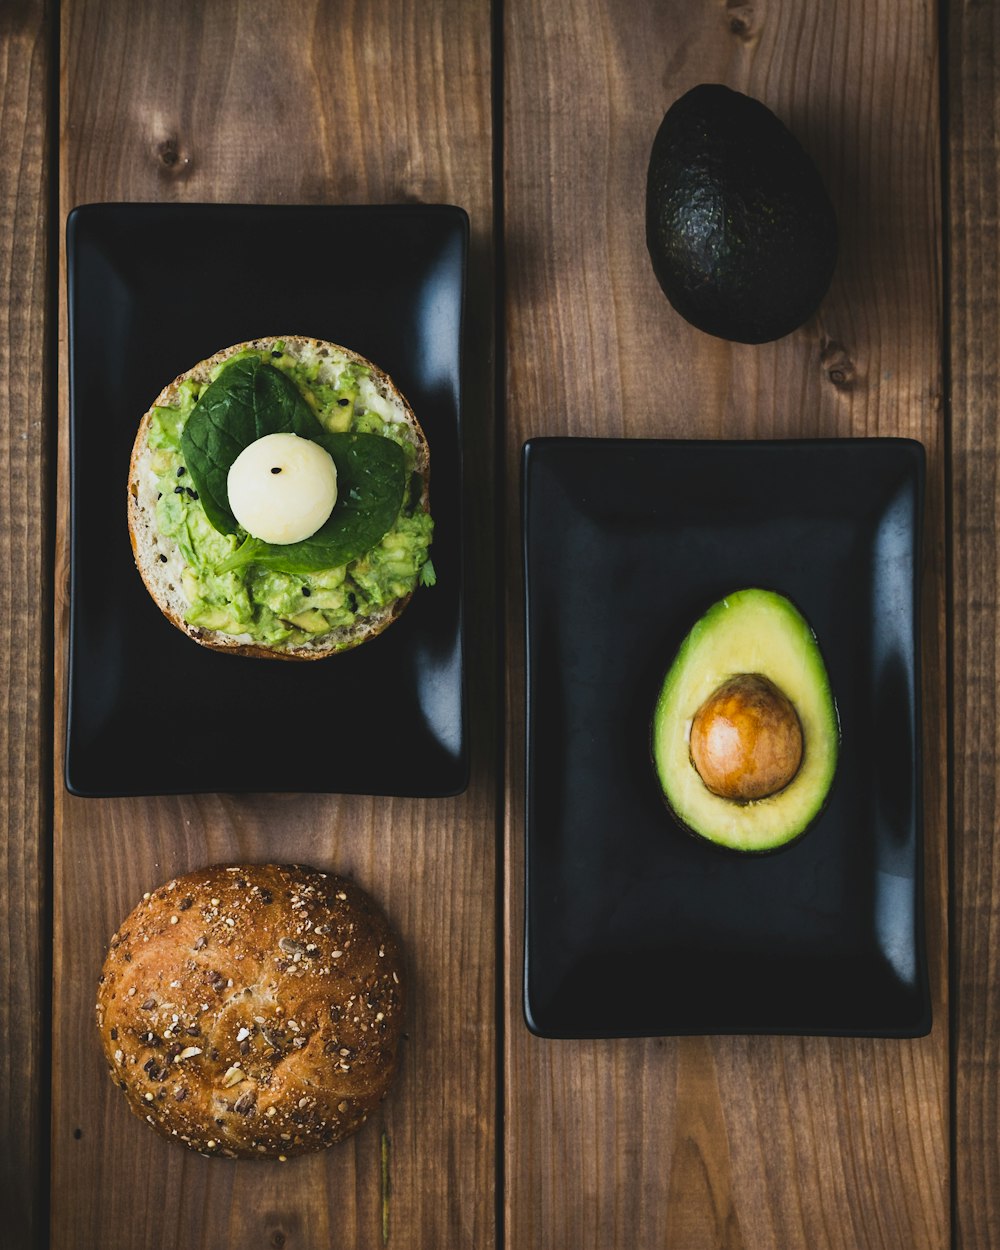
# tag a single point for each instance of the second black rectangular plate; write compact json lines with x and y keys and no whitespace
{"x":153,"y":289}
{"x":634,"y":927}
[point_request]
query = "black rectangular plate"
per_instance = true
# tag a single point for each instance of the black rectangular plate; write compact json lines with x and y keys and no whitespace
{"x":152,"y":290}
{"x":634,"y":927}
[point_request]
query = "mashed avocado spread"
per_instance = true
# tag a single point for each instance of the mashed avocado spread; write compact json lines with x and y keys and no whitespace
{"x":259,"y":600}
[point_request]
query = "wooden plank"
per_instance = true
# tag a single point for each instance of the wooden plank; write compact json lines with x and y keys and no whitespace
{"x":315,"y":103}
{"x":752,"y":1142}
{"x":25,"y":598}
{"x":974,"y":245}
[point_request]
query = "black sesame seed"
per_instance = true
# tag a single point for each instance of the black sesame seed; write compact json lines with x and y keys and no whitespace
{"x":178,"y":490}
{"x":159,"y":494}
{"x":275,"y":470}
{"x":343,"y":402}
{"x":181,"y":471}
{"x":192,"y":493}
{"x":163,"y":559}
{"x":277,"y":353}
{"x":306,"y":591}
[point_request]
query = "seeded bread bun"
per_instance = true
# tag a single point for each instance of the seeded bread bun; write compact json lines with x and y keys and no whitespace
{"x":253,"y":1011}
{"x":158,"y":557}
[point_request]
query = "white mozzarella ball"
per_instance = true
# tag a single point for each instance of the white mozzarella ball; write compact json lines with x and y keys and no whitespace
{"x":282,"y":488}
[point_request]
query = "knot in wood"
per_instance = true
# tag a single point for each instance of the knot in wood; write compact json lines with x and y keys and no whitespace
{"x":838,"y":364}
{"x":742,"y":19}
{"x":172,"y":160}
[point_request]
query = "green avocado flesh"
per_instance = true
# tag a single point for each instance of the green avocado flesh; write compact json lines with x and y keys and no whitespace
{"x":749,"y":632}
{"x":258,"y":600}
{"x":739,"y":226}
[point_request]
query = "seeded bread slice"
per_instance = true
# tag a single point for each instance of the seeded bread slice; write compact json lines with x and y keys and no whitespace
{"x":163,"y":576}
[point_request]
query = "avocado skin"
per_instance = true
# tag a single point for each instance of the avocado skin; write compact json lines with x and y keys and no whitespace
{"x":739,"y":226}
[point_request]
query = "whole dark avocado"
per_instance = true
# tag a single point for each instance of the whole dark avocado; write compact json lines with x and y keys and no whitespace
{"x":739,"y":226}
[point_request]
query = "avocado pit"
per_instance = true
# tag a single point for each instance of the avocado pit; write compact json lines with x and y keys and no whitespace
{"x":746,"y":739}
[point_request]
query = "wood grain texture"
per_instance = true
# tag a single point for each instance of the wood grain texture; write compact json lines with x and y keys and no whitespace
{"x":747,"y":1143}
{"x":292,"y":103}
{"x":974,"y":237}
{"x":25,"y":595}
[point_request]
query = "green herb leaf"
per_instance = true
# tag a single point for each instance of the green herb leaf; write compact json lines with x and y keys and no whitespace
{"x":279,"y":406}
{"x":371,"y":480}
{"x":248,"y":400}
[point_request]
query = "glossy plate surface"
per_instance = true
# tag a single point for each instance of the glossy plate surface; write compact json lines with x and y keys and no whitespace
{"x":634,"y":927}
{"x":152,"y":290}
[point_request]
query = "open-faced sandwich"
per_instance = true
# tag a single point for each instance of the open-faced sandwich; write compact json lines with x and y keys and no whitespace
{"x":278,"y":500}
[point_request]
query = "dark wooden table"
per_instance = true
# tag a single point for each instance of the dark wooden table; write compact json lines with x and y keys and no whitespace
{"x":537,"y":119}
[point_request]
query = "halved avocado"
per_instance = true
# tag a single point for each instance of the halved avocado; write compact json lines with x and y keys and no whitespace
{"x":745,"y":732}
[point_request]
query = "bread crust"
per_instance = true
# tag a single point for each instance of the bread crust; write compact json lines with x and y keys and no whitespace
{"x":253,"y":1011}
{"x":148,"y":544}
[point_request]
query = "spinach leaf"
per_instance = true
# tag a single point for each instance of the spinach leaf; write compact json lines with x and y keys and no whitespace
{"x":279,"y":406}
{"x":371,"y":480}
{"x":248,"y":400}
